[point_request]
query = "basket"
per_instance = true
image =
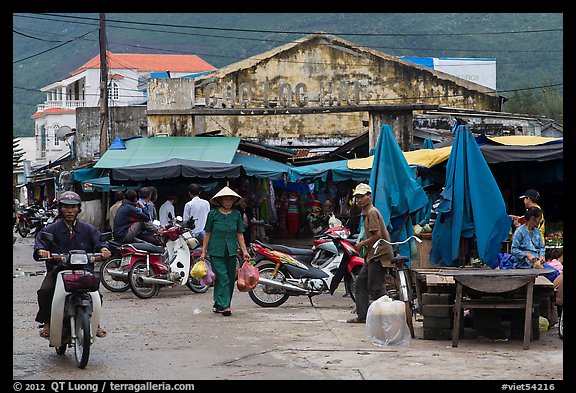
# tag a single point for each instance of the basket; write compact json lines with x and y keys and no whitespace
{"x":85,"y":282}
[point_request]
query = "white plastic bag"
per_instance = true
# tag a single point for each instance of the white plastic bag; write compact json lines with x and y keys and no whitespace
{"x":386,"y":323}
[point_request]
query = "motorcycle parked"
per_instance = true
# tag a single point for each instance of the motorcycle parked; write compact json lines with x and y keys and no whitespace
{"x":282,"y":275}
{"x":31,"y":219}
{"x":151,"y":267}
{"x":109,"y":276}
{"x":76,"y":304}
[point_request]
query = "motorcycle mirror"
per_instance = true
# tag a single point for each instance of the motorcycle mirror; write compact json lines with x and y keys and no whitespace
{"x":156,"y":222}
{"x":104,"y":237}
{"x":179,"y":219}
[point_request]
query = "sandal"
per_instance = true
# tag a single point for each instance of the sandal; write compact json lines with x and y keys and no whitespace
{"x":226,"y":312}
{"x":45,"y":331}
{"x":217,"y":310}
{"x":101,"y":333}
{"x":356,"y":320}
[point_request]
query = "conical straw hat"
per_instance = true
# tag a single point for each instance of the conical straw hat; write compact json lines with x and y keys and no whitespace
{"x":226,"y":191}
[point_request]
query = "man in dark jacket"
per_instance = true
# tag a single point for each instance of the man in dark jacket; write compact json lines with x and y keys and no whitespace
{"x":132,"y":221}
{"x":69,"y":234}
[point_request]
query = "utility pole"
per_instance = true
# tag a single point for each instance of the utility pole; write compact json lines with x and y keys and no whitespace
{"x":103,"y":110}
{"x":103,"y":87}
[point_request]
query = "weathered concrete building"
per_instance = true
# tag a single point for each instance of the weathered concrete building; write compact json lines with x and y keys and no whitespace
{"x":309,"y":91}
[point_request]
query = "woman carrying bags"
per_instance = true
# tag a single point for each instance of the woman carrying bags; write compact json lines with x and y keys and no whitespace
{"x":222,"y":239}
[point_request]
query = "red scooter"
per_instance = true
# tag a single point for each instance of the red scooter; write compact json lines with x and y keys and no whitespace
{"x":146,"y":267}
{"x":283,"y":274}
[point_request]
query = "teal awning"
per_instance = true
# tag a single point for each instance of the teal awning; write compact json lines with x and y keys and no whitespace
{"x":103,"y":184}
{"x":339,"y":170}
{"x":86,"y":173}
{"x":261,"y":167}
{"x":156,"y":149}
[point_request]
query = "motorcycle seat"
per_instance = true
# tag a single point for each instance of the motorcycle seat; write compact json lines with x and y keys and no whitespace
{"x":148,"y":247}
{"x":292,"y":250}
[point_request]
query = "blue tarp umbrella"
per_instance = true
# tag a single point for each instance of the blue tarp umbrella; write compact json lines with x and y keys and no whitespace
{"x":471,"y":204}
{"x":395,"y":192}
{"x":427,"y":144}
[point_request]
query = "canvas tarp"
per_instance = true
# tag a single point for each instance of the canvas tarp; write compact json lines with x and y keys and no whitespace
{"x":494,"y":150}
{"x":176,"y":167}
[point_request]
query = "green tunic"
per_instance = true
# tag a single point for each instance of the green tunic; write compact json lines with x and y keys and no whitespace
{"x":223,"y":229}
{"x":223,"y":248}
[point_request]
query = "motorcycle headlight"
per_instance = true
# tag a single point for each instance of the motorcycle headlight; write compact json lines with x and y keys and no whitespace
{"x":78,"y":259}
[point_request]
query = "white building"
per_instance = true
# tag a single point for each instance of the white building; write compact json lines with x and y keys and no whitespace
{"x":128,"y":75}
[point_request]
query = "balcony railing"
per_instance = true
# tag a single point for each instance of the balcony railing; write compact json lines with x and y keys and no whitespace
{"x":64,"y":104}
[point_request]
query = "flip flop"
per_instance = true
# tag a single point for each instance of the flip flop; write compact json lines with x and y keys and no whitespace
{"x":101,"y":333}
{"x":356,"y":320}
{"x":45,"y":332}
{"x":226,"y":312}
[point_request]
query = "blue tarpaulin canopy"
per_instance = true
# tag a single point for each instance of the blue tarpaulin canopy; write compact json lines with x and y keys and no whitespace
{"x":339,"y":170}
{"x":395,"y":192}
{"x":261,"y":167}
{"x":471,"y":204}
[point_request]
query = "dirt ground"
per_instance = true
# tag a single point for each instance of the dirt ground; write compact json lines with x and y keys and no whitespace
{"x":176,"y":336}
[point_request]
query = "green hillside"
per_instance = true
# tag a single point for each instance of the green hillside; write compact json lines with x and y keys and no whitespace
{"x":527,"y":47}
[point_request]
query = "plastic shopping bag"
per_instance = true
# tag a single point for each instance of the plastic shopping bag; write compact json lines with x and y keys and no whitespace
{"x":199,"y":270}
{"x":210,"y":276}
{"x":248,"y":277}
{"x":386,"y":323}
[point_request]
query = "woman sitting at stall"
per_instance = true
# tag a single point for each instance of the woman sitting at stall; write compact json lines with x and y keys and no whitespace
{"x":527,"y":245}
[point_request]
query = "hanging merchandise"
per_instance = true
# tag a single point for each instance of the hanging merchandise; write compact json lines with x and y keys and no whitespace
{"x":293,"y":216}
{"x":272,"y":203}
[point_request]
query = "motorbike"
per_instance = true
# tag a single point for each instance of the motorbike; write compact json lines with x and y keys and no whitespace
{"x":283,"y":274}
{"x":31,"y":219}
{"x":149,"y":267}
{"x":76,"y":304}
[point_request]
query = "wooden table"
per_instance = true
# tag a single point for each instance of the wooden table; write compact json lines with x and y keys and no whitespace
{"x":491,"y":281}
{"x":495,"y":281}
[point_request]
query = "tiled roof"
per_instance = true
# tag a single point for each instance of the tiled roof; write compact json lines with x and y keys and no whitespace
{"x":149,"y":62}
{"x":53,"y":111}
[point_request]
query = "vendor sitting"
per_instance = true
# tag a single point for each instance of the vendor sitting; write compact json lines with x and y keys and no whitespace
{"x":527,"y":246}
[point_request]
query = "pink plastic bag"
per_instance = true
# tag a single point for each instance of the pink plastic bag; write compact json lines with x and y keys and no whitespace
{"x":248,"y":277}
{"x":210,"y":276}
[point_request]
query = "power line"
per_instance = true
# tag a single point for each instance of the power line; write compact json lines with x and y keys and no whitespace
{"x":53,"y":48}
{"x":309,"y":32}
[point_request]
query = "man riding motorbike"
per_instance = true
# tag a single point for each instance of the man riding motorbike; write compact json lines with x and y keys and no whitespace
{"x":70,"y":233}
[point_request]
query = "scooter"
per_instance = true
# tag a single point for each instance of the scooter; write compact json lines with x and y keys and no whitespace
{"x":76,"y":304}
{"x":282,"y":275}
{"x":152,"y":267}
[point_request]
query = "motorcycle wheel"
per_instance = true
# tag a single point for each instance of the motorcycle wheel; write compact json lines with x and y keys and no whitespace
{"x":111,"y":283}
{"x":22,"y":229}
{"x":194,"y":285}
{"x":143,"y":291}
{"x":82,"y":341}
{"x":259,"y":295}
{"x":350,"y":282}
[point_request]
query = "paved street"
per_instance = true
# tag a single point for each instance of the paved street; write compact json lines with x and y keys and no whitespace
{"x":176,"y":336}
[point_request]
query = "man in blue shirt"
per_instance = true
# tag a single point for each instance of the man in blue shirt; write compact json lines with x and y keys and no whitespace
{"x":132,"y":221}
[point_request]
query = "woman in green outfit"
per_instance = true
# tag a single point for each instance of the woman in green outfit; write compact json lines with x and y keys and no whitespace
{"x":224,"y":235}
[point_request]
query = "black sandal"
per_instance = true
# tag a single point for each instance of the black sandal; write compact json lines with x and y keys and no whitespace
{"x":226,"y":312}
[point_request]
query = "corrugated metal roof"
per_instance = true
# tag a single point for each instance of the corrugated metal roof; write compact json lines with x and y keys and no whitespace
{"x":156,"y":149}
